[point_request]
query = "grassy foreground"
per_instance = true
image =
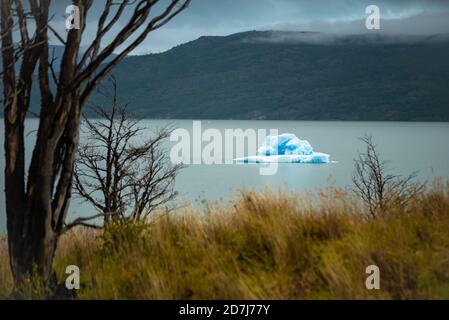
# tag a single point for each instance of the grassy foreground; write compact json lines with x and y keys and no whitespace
{"x":266,"y":246}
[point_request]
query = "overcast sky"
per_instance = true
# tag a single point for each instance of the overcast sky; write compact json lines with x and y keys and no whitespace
{"x":223,"y":17}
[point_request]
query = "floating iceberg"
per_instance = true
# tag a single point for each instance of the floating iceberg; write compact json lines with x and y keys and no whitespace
{"x":287,"y":148}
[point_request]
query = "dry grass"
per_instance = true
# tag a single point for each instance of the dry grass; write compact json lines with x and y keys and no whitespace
{"x":5,"y":274}
{"x":266,"y":246}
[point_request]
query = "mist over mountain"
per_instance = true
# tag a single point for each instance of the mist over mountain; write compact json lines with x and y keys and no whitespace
{"x":291,"y":76}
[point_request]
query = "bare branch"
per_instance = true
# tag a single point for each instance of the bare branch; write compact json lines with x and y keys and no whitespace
{"x":376,"y":186}
{"x":83,"y":221}
{"x":133,"y":178}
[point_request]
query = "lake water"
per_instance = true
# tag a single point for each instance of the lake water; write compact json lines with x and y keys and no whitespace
{"x":410,"y":147}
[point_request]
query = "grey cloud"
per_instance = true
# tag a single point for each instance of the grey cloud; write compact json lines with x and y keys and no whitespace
{"x":223,"y":17}
{"x":317,"y":38}
{"x":423,"y":24}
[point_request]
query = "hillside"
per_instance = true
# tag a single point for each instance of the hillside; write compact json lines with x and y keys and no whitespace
{"x":292,"y":76}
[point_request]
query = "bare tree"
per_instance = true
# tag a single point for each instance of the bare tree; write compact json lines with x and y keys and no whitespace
{"x":119,"y":170}
{"x":37,"y":200}
{"x":376,"y":186}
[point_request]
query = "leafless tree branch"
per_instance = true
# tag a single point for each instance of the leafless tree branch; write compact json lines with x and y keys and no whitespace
{"x":126,"y":174}
{"x":376,"y":186}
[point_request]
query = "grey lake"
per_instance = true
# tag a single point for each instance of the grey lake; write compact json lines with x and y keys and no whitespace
{"x":409,"y":146}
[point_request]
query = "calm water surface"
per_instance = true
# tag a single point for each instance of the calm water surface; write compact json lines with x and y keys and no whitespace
{"x":418,"y":146}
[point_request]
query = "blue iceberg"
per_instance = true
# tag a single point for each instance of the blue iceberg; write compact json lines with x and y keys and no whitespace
{"x":286,"y":148}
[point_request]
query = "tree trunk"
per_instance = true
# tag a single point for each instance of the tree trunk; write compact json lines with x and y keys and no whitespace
{"x":33,"y":254}
{"x":31,"y":240}
{"x":36,"y":218}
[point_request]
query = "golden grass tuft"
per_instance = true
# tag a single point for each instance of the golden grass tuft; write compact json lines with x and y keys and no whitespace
{"x":270,"y":245}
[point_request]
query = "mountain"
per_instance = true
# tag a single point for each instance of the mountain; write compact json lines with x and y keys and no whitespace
{"x":291,"y":76}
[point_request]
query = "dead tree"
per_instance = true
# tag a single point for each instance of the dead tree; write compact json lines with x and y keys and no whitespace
{"x":376,"y":186}
{"x":122,"y":168}
{"x":37,"y":199}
